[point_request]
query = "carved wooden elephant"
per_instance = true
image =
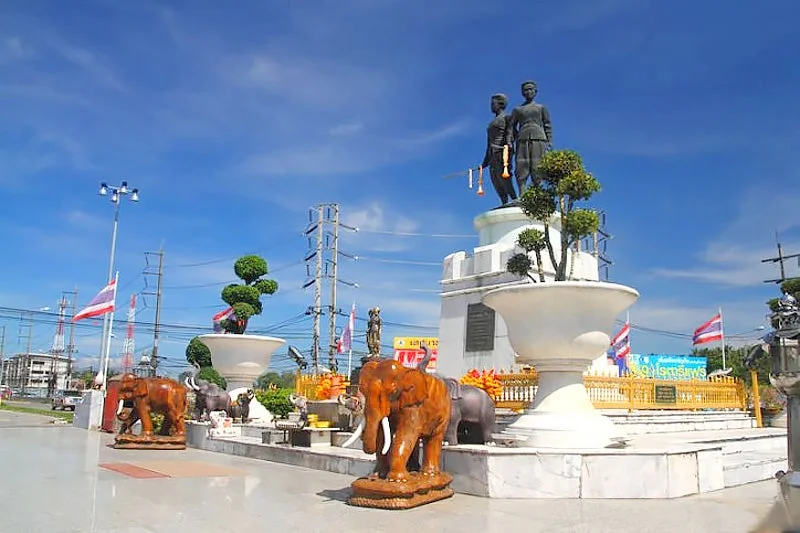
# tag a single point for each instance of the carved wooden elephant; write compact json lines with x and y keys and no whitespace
{"x":401,"y":407}
{"x":161,"y":395}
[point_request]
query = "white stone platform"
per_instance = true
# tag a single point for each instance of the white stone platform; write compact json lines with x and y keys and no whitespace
{"x":666,"y":465}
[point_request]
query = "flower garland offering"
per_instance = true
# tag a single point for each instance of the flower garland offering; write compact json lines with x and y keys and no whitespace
{"x":483,"y":380}
{"x":328,"y":386}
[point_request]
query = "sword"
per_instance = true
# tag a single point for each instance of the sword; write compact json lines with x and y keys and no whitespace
{"x":460,"y":173}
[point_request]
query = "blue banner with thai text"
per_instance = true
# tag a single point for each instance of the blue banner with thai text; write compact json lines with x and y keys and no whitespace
{"x":662,"y":366}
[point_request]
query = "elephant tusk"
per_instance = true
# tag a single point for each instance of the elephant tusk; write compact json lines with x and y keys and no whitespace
{"x":387,"y":435}
{"x":195,"y":386}
{"x":357,"y":433}
{"x":186,"y":382}
{"x":120,"y":406}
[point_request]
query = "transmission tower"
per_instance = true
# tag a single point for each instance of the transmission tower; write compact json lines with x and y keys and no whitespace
{"x":597,"y":242}
{"x":57,"y":349}
{"x":159,"y":273}
{"x":324,"y":220}
{"x":781,"y":259}
{"x":71,"y":346}
{"x":128,"y":347}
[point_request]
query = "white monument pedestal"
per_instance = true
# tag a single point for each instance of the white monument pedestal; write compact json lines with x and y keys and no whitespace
{"x":559,"y":328}
{"x":466,"y":278}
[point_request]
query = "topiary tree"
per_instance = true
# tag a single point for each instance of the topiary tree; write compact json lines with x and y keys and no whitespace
{"x":210,"y":374}
{"x":245,"y":298}
{"x":198,"y":353}
{"x":561,"y":182}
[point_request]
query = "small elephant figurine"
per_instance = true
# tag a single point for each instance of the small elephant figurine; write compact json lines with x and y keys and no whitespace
{"x":243,"y":400}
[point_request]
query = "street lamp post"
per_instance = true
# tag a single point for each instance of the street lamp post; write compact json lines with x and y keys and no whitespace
{"x":117,"y":192}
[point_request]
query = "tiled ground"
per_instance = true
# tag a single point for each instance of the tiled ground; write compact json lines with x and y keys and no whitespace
{"x":52,"y":481}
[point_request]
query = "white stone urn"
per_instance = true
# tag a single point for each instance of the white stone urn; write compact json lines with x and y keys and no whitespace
{"x":560,"y":327}
{"x":240,"y":359}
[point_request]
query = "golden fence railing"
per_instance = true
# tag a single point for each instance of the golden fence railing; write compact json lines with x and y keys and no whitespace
{"x":634,"y":393}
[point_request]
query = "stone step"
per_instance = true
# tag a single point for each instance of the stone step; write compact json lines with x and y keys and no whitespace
{"x":749,"y":467}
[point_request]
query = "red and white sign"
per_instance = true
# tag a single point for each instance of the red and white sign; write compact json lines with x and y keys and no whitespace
{"x":408,"y":353}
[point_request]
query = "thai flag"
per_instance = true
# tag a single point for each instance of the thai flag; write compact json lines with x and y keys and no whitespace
{"x":219,"y":317}
{"x":709,"y":332}
{"x":346,"y":342}
{"x":101,"y":304}
{"x":621,"y":346}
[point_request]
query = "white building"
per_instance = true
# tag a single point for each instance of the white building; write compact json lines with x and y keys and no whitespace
{"x":31,"y":373}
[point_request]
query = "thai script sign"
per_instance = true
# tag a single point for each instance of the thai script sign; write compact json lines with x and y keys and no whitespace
{"x":408,"y":353}
{"x":661,"y":366}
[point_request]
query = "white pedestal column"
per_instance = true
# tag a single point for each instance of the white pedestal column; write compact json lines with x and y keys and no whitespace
{"x":240,"y":359}
{"x":560,"y":328}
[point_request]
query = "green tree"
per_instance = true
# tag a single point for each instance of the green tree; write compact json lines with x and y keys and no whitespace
{"x":198,"y":353}
{"x":210,"y":374}
{"x":562,"y":182}
{"x":245,"y":298}
{"x":276,"y":401}
{"x":734,"y":358}
{"x":284,"y":380}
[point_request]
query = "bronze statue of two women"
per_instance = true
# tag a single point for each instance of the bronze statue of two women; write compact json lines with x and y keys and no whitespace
{"x":527,"y":133}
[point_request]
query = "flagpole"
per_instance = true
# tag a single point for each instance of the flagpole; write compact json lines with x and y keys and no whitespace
{"x":108,"y":338}
{"x":722,"y":335}
{"x":350,"y":351}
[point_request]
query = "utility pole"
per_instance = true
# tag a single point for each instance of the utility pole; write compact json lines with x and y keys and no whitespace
{"x":27,"y":359}
{"x":334,"y":277}
{"x":159,"y":284}
{"x":781,"y":259}
{"x":317,"y":281}
{"x":2,"y":357}
{"x":326,"y":252}
{"x":71,"y":346}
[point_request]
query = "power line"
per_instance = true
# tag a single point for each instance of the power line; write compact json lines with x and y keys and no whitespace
{"x":413,"y":234}
{"x":217,"y":283}
{"x":272,"y":247}
{"x":398,"y":261}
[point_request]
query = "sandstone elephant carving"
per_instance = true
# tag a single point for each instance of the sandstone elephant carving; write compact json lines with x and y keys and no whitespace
{"x":144,"y":396}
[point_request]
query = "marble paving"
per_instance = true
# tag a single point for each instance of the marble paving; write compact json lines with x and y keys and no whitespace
{"x":52,"y":482}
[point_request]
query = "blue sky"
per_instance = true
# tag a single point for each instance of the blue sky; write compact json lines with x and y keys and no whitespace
{"x":233,"y":122}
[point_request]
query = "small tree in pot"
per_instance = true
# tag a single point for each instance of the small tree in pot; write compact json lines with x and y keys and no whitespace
{"x":562,"y":181}
{"x":245,"y":298}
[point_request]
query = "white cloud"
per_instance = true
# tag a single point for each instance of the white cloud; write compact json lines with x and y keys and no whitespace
{"x":734,"y":258}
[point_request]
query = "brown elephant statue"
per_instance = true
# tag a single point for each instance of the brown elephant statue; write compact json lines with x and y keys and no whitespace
{"x":161,"y":395}
{"x":402,"y":406}
{"x":127,"y":415}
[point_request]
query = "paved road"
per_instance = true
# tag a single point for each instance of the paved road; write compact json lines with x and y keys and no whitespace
{"x":52,"y":482}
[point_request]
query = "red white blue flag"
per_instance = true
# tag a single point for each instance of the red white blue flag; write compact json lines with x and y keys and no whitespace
{"x":346,"y":342}
{"x":709,"y":332}
{"x":219,"y":317}
{"x":101,"y":304}
{"x":621,"y":343}
{"x":621,"y":347}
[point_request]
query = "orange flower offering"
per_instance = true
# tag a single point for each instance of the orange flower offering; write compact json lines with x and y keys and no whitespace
{"x":483,"y":380}
{"x":328,"y":386}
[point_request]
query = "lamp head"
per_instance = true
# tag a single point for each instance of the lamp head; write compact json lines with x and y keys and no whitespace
{"x":124,"y":188}
{"x":103,"y":189}
{"x":135,"y":195}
